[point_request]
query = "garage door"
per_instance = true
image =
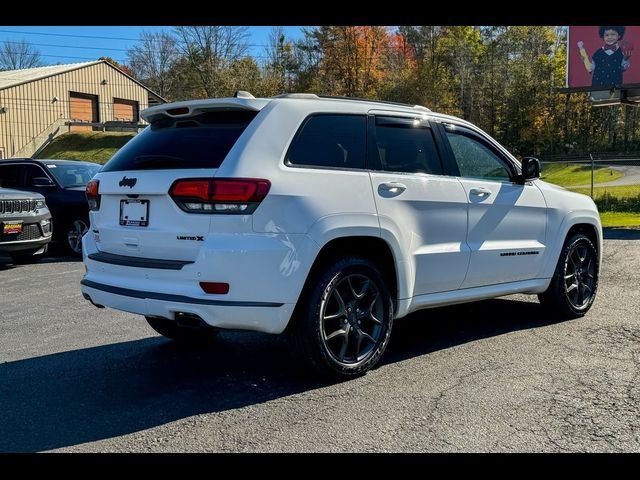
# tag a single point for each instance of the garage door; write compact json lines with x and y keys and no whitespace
{"x":83,"y":108}
{"x":125,"y":110}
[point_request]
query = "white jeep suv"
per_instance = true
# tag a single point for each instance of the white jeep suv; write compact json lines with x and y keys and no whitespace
{"x":327,"y":217}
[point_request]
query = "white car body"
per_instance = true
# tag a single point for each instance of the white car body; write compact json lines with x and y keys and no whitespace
{"x":452,"y":239}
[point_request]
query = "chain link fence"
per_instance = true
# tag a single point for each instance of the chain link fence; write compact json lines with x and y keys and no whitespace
{"x":613,"y":181}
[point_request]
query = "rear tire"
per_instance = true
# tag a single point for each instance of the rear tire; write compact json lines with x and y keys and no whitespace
{"x":170,"y":329}
{"x":344,"y":321}
{"x":575,"y":280}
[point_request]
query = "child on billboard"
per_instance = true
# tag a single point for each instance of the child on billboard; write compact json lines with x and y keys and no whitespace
{"x":608,"y":62}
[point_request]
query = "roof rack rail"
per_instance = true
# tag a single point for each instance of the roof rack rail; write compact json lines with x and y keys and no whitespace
{"x":296,"y":95}
{"x":359,"y":99}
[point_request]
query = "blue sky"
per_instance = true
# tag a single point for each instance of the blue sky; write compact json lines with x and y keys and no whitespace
{"x":59,"y":44}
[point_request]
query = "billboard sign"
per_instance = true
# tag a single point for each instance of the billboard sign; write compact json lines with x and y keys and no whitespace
{"x":603,"y":56}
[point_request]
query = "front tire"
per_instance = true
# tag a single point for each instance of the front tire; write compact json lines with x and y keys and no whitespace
{"x":344,"y":321}
{"x":575,"y":281}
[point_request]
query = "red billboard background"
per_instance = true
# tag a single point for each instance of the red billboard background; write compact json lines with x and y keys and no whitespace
{"x":577,"y":74}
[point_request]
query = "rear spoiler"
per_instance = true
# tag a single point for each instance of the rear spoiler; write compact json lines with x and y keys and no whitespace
{"x":193,"y":107}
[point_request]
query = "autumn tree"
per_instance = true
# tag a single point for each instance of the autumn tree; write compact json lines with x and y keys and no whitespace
{"x":461,"y":47}
{"x":353,"y":59}
{"x":400,"y":68}
{"x":307,"y":62}
{"x":431,"y":82}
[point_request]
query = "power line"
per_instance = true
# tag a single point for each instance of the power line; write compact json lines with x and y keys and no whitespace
{"x":97,"y":48}
{"x":103,"y":38}
{"x":70,"y":46}
{"x":68,"y":35}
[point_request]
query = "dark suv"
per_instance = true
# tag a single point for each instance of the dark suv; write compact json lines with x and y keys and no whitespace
{"x":25,"y":225}
{"x":62,"y":182}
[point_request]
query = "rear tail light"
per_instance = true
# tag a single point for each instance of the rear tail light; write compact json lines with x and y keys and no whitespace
{"x":93,"y":197}
{"x":235,"y":196}
{"x":219,"y":288}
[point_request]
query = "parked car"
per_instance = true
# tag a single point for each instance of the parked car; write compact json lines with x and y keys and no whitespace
{"x":63,"y":184}
{"x":25,"y":225}
{"x":327,"y":218}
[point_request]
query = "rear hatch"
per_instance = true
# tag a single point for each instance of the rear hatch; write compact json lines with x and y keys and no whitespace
{"x":136,"y":215}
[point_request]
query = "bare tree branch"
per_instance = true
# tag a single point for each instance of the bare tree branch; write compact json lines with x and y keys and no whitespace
{"x":152,"y":59}
{"x":17,"y":55}
{"x":210,"y":50}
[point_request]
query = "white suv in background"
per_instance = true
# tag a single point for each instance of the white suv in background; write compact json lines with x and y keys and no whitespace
{"x":327,"y":217}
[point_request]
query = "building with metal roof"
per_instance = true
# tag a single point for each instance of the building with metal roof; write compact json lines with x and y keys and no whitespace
{"x":37,"y":104}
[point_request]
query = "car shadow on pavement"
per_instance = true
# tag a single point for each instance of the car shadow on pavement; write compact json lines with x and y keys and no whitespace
{"x":6,"y":262}
{"x":435,"y":329}
{"x":97,"y":393}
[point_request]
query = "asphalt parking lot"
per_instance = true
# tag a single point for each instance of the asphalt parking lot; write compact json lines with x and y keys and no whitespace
{"x":491,"y":376}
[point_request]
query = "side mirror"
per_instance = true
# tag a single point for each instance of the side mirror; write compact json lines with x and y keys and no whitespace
{"x":41,"y":182}
{"x":530,"y":168}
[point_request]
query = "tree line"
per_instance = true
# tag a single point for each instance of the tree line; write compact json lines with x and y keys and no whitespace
{"x":505,"y":79}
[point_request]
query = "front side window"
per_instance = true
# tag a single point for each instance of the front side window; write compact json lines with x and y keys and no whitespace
{"x":332,"y":141}
{"x":475,"y":159}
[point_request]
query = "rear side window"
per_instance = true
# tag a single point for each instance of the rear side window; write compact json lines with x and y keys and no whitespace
{"x":406,"y":145}
{"x":333,"y":141}
{"x":201,"y":141}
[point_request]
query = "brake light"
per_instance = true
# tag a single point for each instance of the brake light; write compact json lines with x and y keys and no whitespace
{"x":178,"y":111}
{"x":238,"y":196}
{"x":93,"y":197}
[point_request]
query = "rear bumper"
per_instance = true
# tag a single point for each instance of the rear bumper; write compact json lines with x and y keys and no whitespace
{"x":265,"y":272}
{"x":269,"y":318}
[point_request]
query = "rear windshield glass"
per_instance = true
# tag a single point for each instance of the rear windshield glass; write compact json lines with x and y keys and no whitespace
{"x":201,"y":141}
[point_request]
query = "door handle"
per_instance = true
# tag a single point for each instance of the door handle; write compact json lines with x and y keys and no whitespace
{"x":393,"y":187}
{"x":480,"y":192}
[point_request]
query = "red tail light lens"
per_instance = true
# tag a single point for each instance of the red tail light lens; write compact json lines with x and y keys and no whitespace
{"x":236,"y":196}
{"x":191,"y":189}
{"x":219,"y":288}
{"x":93,"y":197}
{"x":239,"y":190}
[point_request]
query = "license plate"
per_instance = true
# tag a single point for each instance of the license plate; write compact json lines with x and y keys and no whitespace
{"x":11,"y":227}
{"x":134,"y":213}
